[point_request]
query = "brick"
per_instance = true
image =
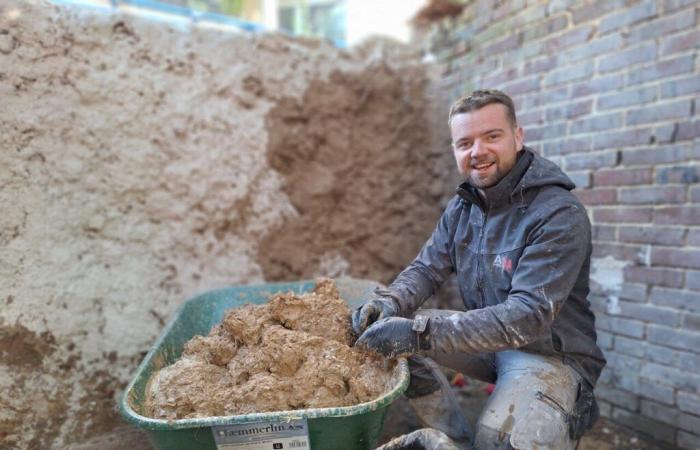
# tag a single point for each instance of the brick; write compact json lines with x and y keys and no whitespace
{"x":681,"y":299}
{"x":630,"y":253}
{"x":688,"y":402}
{"x":687,"y":361}
{"x":547,"y":97}
{"x":597,"y":86}
{"x":662,"y":26}
{"x":618,"y":397}
{"x":656,"y":155}
{"x":509,"y":42}
{"x":624,"y":363}
{"x":582,"y":178}
{"x":593,"y":49}
{"x":655,"y":391}
{"x":644,"y":425}
{"x":597,"y":196}
{"x":695,"y":194}
{"x":672,"y":5}
{"x":626,"y":98}
{"x":618,"y":139}
{"x":666,"y":133}
{"x":689,"y":422}
{"x":652,"y":195}
{"x":654,"y":276}
{"x":521,"y":86}
{"x":652,"y":235}
{"x":684,"y":86}
{"x":546,"y":28}
{"x":692,"y":280}
{"x":650,"y":313}
{"x":675,"y":257}
{"x":532,"y":117}
{"x":622,"y":177}
{"x":660,"y":412}
{"x":498,"y":78}
{"x":628,"y":16}
{"x":670,"y":376}
{"x":677,"y":215}
{"x":659,"y":354}
{"x":569,"y":73}
{"x":568,"y":38}
{"x":636,"y":292}
{"x":670,"y":337}
{"x":556,"y":130}
{"x":539,"y":65}
{"x":661,"y":69}
{"x":632,"y":347}
{"x":570,"y":110}
{"x":681,"y":42}
{"x":691,"y":322}
{"x":592,"y":160}
{"x":578,"y":144}
{"x":603,"y":233}
{"x":687,"y":441}
{"x":688,"y":130}
{"x":598,"y":122}
{"x":626,"y":327}
{"x":623,"y":60}
{"x":622,"y":215}
{"x":675,"y":110}
{"x":694,"y":237}
{"x":678,"y":175}
{"x":604,"y":408}
{"x":595,"y":9}
{"x":604,"y":340}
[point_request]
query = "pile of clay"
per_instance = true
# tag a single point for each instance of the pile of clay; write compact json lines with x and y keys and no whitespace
{"x":294,"y":352}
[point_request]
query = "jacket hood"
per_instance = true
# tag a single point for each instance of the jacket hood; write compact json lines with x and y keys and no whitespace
{"x":543,"y":172}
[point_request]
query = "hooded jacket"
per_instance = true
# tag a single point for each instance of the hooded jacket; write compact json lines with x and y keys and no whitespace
{"x":521,"y":255}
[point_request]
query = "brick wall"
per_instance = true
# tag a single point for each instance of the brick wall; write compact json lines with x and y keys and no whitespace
{"x":610,"y":90}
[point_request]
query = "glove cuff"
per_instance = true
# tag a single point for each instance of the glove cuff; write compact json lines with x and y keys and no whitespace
{"x":421,"y":325}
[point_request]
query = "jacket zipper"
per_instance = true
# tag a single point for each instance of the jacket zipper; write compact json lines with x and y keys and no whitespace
{"x":480,"y":279}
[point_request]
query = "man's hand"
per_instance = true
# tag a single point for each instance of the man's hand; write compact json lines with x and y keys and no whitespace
{"x":394,"y":337}
{"x":375,"y":309}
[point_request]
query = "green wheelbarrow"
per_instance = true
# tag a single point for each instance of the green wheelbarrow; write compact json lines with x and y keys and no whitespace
{"x":344,"y":428}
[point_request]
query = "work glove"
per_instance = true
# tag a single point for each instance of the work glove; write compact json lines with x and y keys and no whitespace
{"x":375,"y":309}
{"x":425,"y":439}
{"x":395,"y":337}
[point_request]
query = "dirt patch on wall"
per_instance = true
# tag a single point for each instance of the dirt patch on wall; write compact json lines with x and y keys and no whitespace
{"x":358,"y":167}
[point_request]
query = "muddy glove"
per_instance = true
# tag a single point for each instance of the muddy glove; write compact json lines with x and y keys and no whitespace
{"x":425,"y":438}
{"x":373,"y":310}
{"x":394,"y":337}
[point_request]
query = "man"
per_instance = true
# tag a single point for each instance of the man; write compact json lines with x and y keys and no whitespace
{"x":519,"y":242}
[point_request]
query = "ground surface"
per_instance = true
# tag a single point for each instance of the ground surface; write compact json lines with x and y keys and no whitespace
{"x":604,"y":435}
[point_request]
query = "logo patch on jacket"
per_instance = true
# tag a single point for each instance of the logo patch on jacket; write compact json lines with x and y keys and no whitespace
{"x":504,"y":263}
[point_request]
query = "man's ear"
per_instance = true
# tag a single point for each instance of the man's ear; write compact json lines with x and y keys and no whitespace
{"x":519,"y":137}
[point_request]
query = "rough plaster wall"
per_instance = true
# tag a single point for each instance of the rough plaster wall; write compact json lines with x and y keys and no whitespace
{"x":135,"y":173}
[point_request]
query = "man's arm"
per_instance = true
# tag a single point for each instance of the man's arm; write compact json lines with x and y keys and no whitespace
{"x":429,"y":270}
{"x":542,"y":281}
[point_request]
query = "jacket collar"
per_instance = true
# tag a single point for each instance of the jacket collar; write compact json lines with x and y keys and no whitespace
{"x":500,"y":193}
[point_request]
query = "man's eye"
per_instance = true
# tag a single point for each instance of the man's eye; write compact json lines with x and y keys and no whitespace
{"x":493,"y":137}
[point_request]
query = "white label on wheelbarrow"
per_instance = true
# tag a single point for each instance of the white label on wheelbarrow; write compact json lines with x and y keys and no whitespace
{"x":293,"y":434}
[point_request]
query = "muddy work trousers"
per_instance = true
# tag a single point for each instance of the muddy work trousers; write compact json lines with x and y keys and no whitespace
{"x":534,"y":396}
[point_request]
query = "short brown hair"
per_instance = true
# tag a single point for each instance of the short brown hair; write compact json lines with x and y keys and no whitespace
{"x":479,"y":99}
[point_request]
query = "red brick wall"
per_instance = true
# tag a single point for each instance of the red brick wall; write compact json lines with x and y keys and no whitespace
{"x":610,"y":90}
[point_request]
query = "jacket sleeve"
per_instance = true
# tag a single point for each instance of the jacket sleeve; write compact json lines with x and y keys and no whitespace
{"x":541,"y":283}
{"x":430,"y":269}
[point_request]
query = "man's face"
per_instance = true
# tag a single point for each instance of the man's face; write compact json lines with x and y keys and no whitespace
{"x":485,"y":144}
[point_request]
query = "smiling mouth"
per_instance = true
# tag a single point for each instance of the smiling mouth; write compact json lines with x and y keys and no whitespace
{"x":480,"y":167}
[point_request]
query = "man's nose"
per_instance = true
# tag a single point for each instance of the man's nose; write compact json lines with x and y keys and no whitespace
{"x":478,"y":149}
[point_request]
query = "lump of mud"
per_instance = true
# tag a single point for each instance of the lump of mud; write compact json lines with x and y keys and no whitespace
{"x":293,"y":352}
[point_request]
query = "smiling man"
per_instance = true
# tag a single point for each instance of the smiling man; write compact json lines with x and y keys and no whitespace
{"x":519,"y":243}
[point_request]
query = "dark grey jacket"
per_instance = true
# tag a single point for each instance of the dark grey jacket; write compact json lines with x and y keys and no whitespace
{"x":522,"y":260}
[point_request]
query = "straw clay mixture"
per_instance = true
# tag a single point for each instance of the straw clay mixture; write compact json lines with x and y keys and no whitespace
{"x":293,"y":352}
